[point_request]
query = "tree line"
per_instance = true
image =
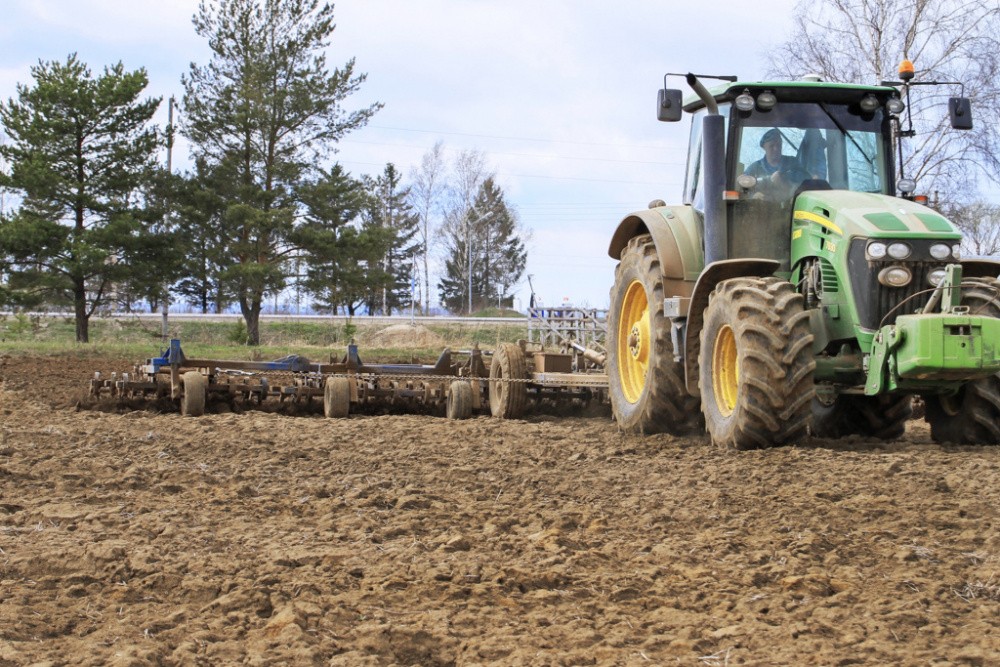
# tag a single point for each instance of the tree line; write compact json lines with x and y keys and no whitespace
{"x":264,"y":210}
{"x":99,"y":223}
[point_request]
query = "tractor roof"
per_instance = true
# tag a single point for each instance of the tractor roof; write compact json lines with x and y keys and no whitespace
{"x":792,"y":91}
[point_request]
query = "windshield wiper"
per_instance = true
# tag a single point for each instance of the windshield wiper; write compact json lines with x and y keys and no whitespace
{"x":843,"y":130}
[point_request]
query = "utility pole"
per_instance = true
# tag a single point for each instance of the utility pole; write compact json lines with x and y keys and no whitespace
{"x":165,"y":299}
{"x":387,"y":223}
{"x":468,"y":260}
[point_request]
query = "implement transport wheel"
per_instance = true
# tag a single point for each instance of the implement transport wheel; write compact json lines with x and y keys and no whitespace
{"x":193,"y":397}
{"x":646,"y":384}
{"x":971,"y":416}
{"x":756,"y":364}
{"x":336,"y":397}
{"x":507,"y":398}
{"x":883,"y":417}
{"x":459,"y":404}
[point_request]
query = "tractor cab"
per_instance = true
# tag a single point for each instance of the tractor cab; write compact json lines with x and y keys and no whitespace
{"x":782,"y":139}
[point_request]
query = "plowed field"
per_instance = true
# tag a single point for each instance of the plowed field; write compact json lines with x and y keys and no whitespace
{"x":262,"y":538}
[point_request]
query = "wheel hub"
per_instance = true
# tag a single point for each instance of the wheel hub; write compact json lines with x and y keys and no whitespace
{"x":633,"y":341}
{"x":725,"y":370}
{"x":637,"y":343}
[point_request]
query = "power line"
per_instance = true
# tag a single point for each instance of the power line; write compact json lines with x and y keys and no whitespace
{"x":537,"y":139}
{"x":557,"y":178}
{"x":535,"y":155}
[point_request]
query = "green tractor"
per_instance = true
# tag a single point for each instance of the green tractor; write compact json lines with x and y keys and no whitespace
{"x":800,"y":287}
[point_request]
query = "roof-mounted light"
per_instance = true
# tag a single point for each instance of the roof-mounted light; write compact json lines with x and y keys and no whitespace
{"x":895,"y":106}
{"x":766,"y":100}
{"x":906,"y":185}
{"x":906,"y":70}
{"x":869,"y":103}
{"x":745,"y":101}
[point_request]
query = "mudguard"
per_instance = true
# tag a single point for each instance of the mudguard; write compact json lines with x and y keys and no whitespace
{"x":676,"y":232}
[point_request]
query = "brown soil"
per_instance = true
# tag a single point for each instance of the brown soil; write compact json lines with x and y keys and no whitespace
{"x":142,"y":538}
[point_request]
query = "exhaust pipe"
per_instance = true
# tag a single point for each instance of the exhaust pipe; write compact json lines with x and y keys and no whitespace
{"x":713,"y":174}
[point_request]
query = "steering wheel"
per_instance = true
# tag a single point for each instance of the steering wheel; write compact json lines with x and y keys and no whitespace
{"x":795,"y":174}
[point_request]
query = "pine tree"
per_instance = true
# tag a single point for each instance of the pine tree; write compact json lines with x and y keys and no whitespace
{"x":486,"y":241}
{"x":267,"y":108}
{"x":389,"y":209}
{"x":339,"y":252}
{"x":81,"y":154}
{"x":199,"y":207}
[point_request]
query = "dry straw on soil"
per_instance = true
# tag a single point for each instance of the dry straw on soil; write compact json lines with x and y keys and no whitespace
{"x":404,"y":335}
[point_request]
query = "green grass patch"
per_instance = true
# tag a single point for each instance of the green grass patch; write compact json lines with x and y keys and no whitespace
{"x":318,"y":341}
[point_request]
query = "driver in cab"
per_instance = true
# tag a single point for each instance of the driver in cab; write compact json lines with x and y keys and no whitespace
{"x":776,"y":174}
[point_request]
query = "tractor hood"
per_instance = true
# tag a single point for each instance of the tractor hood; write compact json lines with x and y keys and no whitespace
{"x":862,"y":214}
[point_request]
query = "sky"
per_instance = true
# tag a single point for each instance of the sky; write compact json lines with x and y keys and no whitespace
{"x":559,"y":95}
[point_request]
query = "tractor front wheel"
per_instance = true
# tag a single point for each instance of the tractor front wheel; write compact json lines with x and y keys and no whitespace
{"x":883,"y":417}
{"x":646,"y":383}
{"x":972,"y":416}
{"x":756,"y":364}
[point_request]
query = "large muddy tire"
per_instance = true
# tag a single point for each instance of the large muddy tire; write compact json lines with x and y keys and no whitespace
{"x":459,"y":404}
{"x":972,"y":416}
{"x":756,"y":364}
{"x":882,"y":417}
{"x":646,"y":384}
{"x":193,"y":396}
{"x":336,"y":397}
{"x":508,"y":396}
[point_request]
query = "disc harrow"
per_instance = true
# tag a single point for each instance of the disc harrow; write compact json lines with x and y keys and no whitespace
{"x":458,"y":384}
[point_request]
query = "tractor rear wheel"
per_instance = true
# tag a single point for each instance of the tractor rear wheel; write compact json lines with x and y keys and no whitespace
{"x":646,"y":384}
{"x":193,"y":398}
{"x":336,"y":397}
{"x":508,"y":392}
{"x":459,"y":403}
{"x":882,"y":417}
{"x":972,"y":416}
{"x":756,"y":364}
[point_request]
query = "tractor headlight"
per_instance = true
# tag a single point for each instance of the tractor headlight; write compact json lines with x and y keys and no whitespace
{"x":895,"y":106}
{"x":935,"y":277}
{"x":746,"y":181}
{"x":956,"y":250}
{"x":906,"y":185}
{"x":940,"y":251}
{"x":877,"y":250}
{"x":895,"y":276}
{"x":899,"y":250}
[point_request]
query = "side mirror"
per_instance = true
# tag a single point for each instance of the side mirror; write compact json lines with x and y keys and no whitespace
{"x":668,"y":105}
{"x":960,"y":109}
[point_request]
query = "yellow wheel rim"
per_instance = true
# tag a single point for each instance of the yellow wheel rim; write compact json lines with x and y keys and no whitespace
{"x":634,"y":342}
{"x":725,"y":370}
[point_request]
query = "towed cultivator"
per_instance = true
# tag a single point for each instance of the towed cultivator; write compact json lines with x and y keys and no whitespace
{"x":505,"y":381}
